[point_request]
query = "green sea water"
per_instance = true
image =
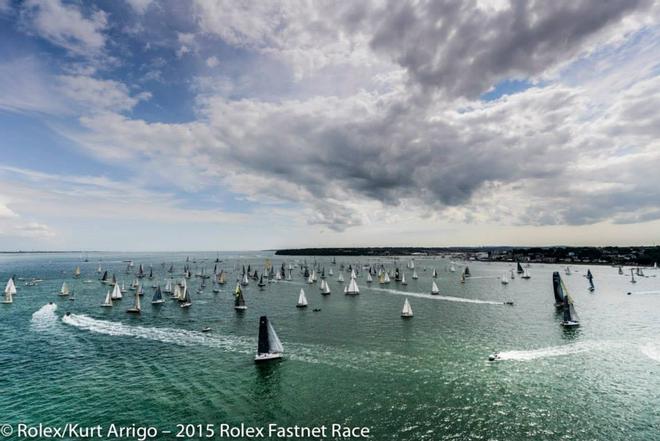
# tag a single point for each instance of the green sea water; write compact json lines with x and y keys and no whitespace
{"x":355,"y":362}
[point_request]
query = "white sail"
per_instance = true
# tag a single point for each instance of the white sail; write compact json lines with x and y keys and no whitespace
{"x":414,"y":275}
{"x":64,"y":291}
{"x":434,"y":288}
{"x":525,"y":274}
{"x":352,"y":288}
{"x":435,"y":273}
{"x":386,"y":278}
{"x":452,"y":269}
{"x":245,"y":280}
{"x":407,"y":309}
{"x":274,"y":342}
{"x":116,"y":293}
{"x":340,"y":278}
{"x":108,"y":300}
{"x":10,"y":287}
{"x":504,"y":280}
{"x":353,"y":276}
{"x":326,"y":288}
{"x":412,"y":264}
{"x":403,"y":279}
{"x":137,"y":301}
{"x":310,"y":280}
{"x":369,"y":278}
{"x":302,"y":300}
{"x":331,"y":273}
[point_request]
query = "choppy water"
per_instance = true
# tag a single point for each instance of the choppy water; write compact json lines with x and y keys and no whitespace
{"x":355,"y":362}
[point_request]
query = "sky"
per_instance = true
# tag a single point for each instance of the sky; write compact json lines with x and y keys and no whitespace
{"x":230,"y":125}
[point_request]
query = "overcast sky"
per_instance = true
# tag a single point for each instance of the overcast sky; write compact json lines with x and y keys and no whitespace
{"x":232,"y":125}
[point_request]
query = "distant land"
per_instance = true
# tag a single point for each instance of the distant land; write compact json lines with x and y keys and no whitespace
{"x":641,"y":255}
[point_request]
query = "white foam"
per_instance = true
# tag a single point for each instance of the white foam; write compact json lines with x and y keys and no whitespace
{"x":437,"y":297}
{"x":651,"y":351}
{"x":45,"y":318}
{"x":180,"y":337}
{"x":553,"y":351}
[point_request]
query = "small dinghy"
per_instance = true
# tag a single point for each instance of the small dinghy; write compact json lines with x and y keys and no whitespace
{"x":206,"y":329}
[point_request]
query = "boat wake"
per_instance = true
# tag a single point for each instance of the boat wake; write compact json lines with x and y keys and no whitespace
{"x":651,"y":351}
{"x":553,"y":351}
{"x":45,"y":318}
{"x":179,"y":337}
{"x":246,"y":345}
{"x":437,"y":297}
{"x":644,"y":292}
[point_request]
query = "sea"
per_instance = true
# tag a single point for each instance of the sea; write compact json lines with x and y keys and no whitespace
{"x":353,"y":362}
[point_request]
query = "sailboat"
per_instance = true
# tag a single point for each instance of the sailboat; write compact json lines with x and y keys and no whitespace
{"x":519,"y":268}
{"x":261,"y":283}
{"x":157,"y":299}
{"x":558,"y":289}
{"x":590,"y":278}
{"x":403,"y":279}
{"x":187,"y":301}
{"x":414,"y":275}
{"x":136,"y":306}
{"x":221,"y":278}
{"x":107,"y":303}
{"x":466,"y":272}
{"x":406,"y":312}
{"x":325,"y":288}
{"x":239,"y":300}
{"x":632,"y":276}
{"x":340,"y":279}
{"x":369,"y":278}
{"x":245,"y":281}
{"x":452,"y":268}
{"x":568,"y":271}
{"x":76,"y":272}
{"x":620,"y":270}
{"x":269,"y":346}
{"x":504,"y":280}
{"x":352,"y":288}
{"x":570,"y":316}
{"x":386,"y":278}
{"x":116,"y":293}
{"x":10,"y":290}
{"x":64,"y":291}
{"x":434,"y":289}
{"x":435,"y":274}
{"x":104,"y":277}
{"x":525,"y":274}
{"x":302,"y":300}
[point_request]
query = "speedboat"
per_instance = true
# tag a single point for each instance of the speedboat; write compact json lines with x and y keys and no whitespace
{"x":494,"y":356}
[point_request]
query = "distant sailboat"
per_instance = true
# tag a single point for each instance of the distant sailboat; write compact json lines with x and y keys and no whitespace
{"x":452,"y":268}
{"x":116,"y":293}
{"x":325,"y":288}
{"x":386,"y":278}
{"x":64,"y":291}
{"x":136,"y":309}
{"x":340,"y":279}
{"x":434,"y":289}
{"x":187,"y":301}
{"x":107,"y":303}
{"x":407,"y":310}
{"x":261,"y":283}
{"x":269,"y":346}
{"x":525,"y":274}
{"x":570,"y":316}
{"x":403,"y":279}
{"x":414,"y":275}
{"x":157,"y":299}
{"x":76,"y":272}
{"x":302,"y":300}
{"x":620,"y":270}
{"x":519,"y":268}
{"x":590,"y":278}
{"x":504,"y":280}
{"x":632,"y":276}
{"x":568,"y":271}
{"x":245,"y":281}
{"x":239,"y":300}
{"x":435,"y":273}
{"x":10,"y":290}
{"x":369,"y":278}
{"x":352,"y":288}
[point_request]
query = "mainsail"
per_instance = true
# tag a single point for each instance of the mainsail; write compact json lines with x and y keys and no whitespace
{"x":268,"y":343}
{"x":302,"y":300}
{"x":558,"y":289}
{"x":434,"y":289}
{"x":407,"y":309}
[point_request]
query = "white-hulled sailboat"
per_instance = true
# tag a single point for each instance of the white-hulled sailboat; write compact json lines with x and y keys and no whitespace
{"x":414,"y":275}
{"x":245,"y":281}
{"x":107,"y":303}
{"x":136,"y":309}
{"x":325,"y":288}
{"x":187,"y":301}
{"x":369,"y":278}
{"x":269,"y":346}
{"x":302,"y":300}
{"x":76,"y":272}
{"x":10,"y":290}
{"x":407,"y":310}
{"x":340,"y":279}
{"x":116,"y":293}
{"x":434,"y":289}
{"x":403,"y":279}
{"x":64,"y":291}
{"x":525,"y":274}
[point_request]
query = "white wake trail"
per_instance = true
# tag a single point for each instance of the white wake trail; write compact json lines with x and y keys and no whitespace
{"x":553,"y":351}
{"x":45,"y":318}
{"x":437,"y":297}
